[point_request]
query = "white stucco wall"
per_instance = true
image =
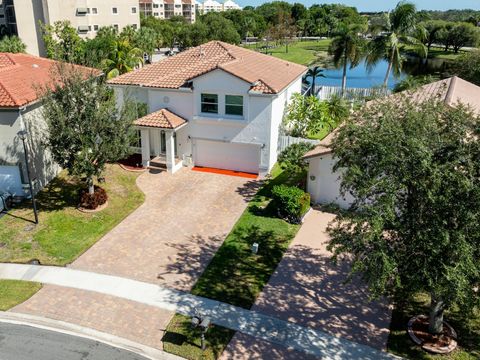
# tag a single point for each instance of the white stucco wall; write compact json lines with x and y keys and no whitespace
{"x":259,"y":125}
{"x":325,"y":186}
{"x":42,"y":166}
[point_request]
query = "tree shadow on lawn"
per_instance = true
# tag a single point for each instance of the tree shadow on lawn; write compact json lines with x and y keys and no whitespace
{"x":236,"y":275}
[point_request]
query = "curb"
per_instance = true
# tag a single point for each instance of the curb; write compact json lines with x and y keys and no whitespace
{"x":87,"y":333}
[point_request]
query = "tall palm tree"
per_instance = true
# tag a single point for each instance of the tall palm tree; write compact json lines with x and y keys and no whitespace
{"x":400,"y":28}
{"x":347,"y":47}
{"x":314,"y":72}
{"x":123,"y":58}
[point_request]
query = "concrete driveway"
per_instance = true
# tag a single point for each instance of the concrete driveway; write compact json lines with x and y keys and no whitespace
{"x":169,"y":240}
{"x":309,"y":290}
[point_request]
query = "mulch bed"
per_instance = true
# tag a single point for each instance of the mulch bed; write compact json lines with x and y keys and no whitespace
{"x":443,"y":343}
{"x":132,"y":163}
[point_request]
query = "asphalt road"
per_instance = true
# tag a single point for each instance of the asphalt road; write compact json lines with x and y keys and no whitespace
{"x":21,"y":342}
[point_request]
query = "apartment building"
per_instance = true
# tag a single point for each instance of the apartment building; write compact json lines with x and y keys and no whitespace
{"x":166,"y":9}
{"x":23,"y":17}
{"x":215,"y":6}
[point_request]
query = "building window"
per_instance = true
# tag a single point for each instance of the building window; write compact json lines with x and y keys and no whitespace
{"x":178,"y":5}
{"x":234,"y":105}
{"x":94,"y":11}
{"x":134,"y":26}
{"x":210,"y":103}
{"x":114,"y":10}
{"x":89,"y":28}
{"x":134,"y":10}
{"x":155,"y":14}
{"x":155,"y":6}
{"x":115,"y":26}
{"x":95,"y":27}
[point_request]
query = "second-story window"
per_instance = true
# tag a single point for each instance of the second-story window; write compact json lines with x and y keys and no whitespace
{"x":234,"y":105}
{"x":134,"y":10}
{"x":114,"y":10}
{"x":94,"y":11}
{"x":210,"y":103}
{"x":155,"y":6}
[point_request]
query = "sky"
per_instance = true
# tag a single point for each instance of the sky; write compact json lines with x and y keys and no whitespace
{"x":378,"y":5}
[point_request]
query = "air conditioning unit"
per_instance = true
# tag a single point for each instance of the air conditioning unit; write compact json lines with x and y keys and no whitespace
{"x":83,"y":29}
{"x":82,"y":11}
{"x":187,"y":160}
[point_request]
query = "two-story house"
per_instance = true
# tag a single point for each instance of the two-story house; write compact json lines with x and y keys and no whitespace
{"x":215,"y":105}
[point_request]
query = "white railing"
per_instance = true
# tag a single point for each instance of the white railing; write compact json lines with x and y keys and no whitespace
{"x":285,"y":141}
{"x":327,"y":92}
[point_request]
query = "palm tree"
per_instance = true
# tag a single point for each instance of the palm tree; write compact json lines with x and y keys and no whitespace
{"x":314,"y":72}
{"x":347,"y":48}
{"x":123,"y":58}
{"x":400,"y":28}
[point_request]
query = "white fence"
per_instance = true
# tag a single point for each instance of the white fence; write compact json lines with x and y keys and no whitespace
{"x":285,"y":141}
{"x":327,"y":92}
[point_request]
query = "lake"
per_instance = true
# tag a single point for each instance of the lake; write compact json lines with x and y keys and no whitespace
{"x":359,"y":77}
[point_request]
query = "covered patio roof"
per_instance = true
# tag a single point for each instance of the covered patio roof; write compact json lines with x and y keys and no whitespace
{"x":162,"y":119}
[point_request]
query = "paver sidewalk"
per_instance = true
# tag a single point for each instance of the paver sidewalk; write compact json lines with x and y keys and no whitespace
{"x":248,"y":322}
{"x":169,"y":240}
{"x":311,"y":291}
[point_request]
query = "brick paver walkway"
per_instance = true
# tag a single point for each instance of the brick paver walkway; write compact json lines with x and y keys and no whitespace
{"x":169,"y":240}
{"x":307,"y":289}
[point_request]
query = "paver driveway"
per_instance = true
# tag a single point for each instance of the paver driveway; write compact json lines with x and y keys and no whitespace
{"x":309,"y":290}
{"x":169,"y":240}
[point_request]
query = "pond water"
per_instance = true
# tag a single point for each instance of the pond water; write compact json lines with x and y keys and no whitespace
{"x":359,"y":77}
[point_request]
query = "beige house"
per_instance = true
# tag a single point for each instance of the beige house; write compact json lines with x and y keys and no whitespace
{"x":87,"y":16}
{"x":21,"y":110}
{"x":166,"y":9}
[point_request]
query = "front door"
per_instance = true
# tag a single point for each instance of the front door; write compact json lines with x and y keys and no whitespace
{"x":163,"y":143}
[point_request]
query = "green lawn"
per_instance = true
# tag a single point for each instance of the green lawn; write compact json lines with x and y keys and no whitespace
{"x":438,"y":53}
{"x":301,"y":52}
{"x":15,"y":292}
{"x":63,"y":232}
{"x":235,"y":275}
{"x":468,"y":333}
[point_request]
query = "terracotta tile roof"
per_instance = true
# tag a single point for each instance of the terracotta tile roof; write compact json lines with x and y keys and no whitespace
{"x":273,"y":74}
{"x":451,"y":91}
{"x":163,"y":119}
{"x":20,"y":77}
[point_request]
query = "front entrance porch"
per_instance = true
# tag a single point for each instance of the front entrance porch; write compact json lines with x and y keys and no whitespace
{"x":158,"y":139}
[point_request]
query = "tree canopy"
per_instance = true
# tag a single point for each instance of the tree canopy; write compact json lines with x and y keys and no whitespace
{"x":414,"y":172}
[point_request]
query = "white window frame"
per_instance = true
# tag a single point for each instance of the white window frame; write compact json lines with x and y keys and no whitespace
{"x":134,"y":10}
{"x":116,"y":9}
{"x":94,"y":12}
{"x":242,"y":106}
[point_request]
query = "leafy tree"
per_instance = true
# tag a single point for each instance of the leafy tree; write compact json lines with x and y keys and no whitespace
{"x":62,"y":42}
{"x":12,"y":44}
{"x":467,"y":66}
{"x":145,"y":39}
{"x":85,"y":128}
{"x":307,"y":115}
{"x":463,"y":34}
{"x":433,"y":32}
{"x":123,"y":58}
{"x":220,"y":28}
{"x":291,"y":159}
{"x":413,"y":227}
{"x":347,"y":48}
{"x":270,"y":11}
{"x":99,"y":47}
{"x":413,"y":82}
{"x":400,"y":29}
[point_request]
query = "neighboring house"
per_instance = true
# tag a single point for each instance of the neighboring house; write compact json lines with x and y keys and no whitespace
{"x":87,"y":17}
{"x":215,"y":6}
{"x":324,"y":183}
{"x":216,"y":105}
{"x":166,"y":9}
{"x":21,"y":75}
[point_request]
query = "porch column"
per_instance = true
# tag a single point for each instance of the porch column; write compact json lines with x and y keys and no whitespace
{"x":170,"y":147}
{"x":145,"y":134}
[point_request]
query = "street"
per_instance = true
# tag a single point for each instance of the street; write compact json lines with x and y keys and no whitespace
{"x":21,"y":342}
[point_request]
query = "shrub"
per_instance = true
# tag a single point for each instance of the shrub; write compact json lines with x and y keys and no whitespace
{"x":91,"y":202}
{"x":291,"y":202}
{"x":291,"y":160}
